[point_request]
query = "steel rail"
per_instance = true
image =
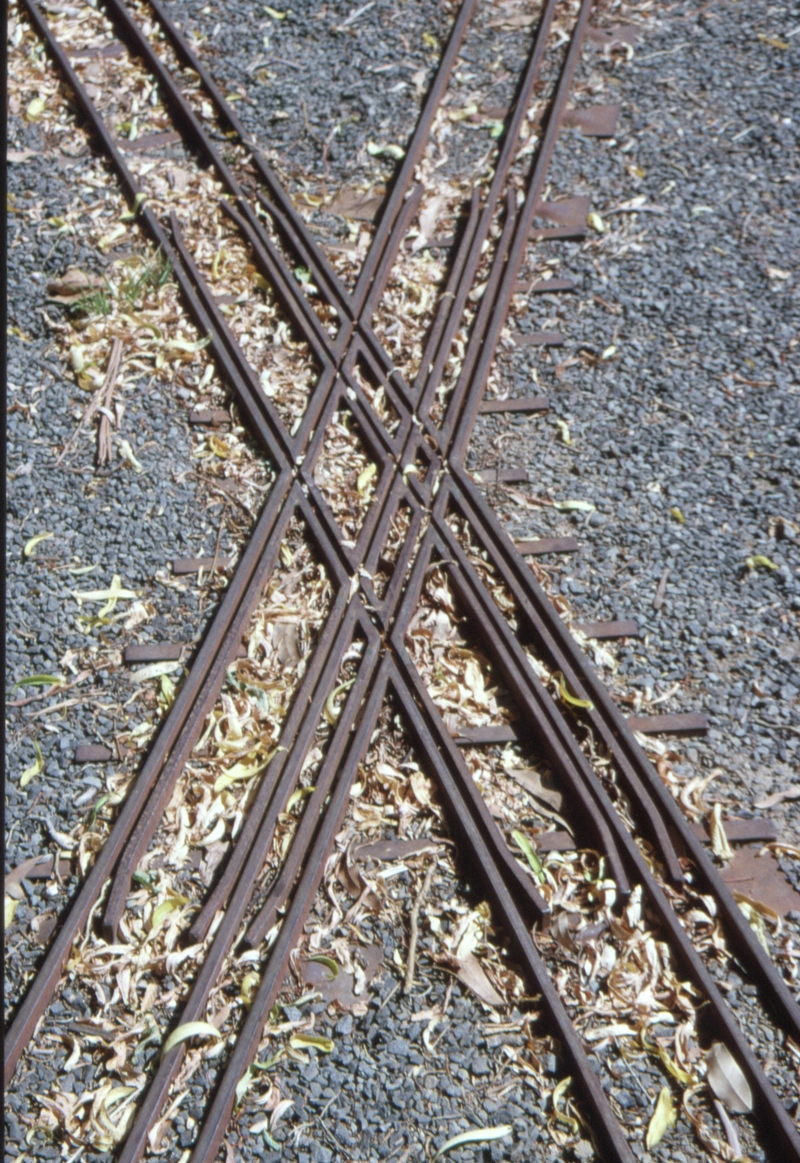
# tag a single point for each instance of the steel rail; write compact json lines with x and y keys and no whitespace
{"x":265,"y":554}
{"x":295,"y":737}
{"x":768,"y":1106}
{"x":434,"y":742}
{"x":403,"y":178}
{"x":649,"y":819}
{"x":459,"y":420}
{"x":221,"y":1107}
{"x":289,"y":767}
{"x":520,"y":884}
{"x":185,"y":720}
{"x":542,"y":720}
{"x":505,"y":161}
{"x":640,"y":781}
{"x":468,"y":392}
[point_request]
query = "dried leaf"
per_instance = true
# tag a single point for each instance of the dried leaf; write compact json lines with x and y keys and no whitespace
{"x":364,"y":478}
{"x":280,"y":1110}
{"x":719,"y":841}
{"x":596,"y":222}
{"x":574,"y":506}
{"x":35,"y":109}
{"x":40,"y":680}
{"x":479,"y":1135}
{"x":760,"y":561}
{"x":726,"y":1080}
{"x":677,"y":514}
{"x":113,"y":594}
{"x":563,"y":427}
{"x":774,"y":41}
{"x":189,"y":1030}
{"x":664,"y":1117}
{"x":393,"y":151}
{"x":162,"y":911}
{"x":317,"y":1041}
{"x":777,"y":797}
{"x":250,"y":983}
{"x":562,"y":1087}
{"x":154,"y":670}
{"x":10,"y":907}
{"x":331,"y":710}
{"x":560,"y":929}
{"x":34,"y":541}
{"x":473,"y":975}
{"x":328,"y":962}
{"x":128,"y":455}
{"x":36,"y":768}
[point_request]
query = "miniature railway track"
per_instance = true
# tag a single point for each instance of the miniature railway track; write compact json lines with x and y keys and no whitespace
{"x":420,"y":471}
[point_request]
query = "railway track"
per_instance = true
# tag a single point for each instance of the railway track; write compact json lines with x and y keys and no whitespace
{"x":416,"y":514}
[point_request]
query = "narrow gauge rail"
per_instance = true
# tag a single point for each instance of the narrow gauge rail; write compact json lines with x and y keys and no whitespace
{"x":432,"y":435}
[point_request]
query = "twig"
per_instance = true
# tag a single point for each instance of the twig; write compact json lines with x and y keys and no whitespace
{"x":54,"y":688}
{"x":98,"y":397}
{"x":412,"y":944}
{"x":658,"y":600}
{"x":104,"y":447}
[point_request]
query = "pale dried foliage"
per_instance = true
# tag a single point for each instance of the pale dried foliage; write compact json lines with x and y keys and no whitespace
{"x":610,"y":966}
{"x":345,"y":474}
{"x":394,"y":800}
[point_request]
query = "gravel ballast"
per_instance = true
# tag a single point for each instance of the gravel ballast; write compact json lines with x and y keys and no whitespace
{"x":678,"y":387}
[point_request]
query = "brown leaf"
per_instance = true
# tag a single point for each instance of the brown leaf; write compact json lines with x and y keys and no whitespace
{"x":778,"y":797}
{"x":72,"y":284}
{"x":352,"y":203}
{"x":726,"y":1079}
{"x":389,"y":850}
{"x":473,"y":975}
{"x":43,"y":925}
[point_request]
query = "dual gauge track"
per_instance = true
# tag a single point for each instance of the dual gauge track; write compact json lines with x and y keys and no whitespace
{"x":417,"y":441}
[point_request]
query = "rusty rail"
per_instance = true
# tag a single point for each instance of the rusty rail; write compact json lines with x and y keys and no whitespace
{"x":381,"y":623}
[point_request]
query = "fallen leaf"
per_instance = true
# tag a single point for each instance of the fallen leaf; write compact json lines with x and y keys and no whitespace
{"x":664,"y":1117}
{"x":129,"y":456}
{"x":362,"y":205}
{"x":562,"y":1087}
{"x":364,"y":478}
{"x":726,"y":1080}
{"x":472,"y":974}
{"x":563,"y":427}
{"x":393,"y":151}
{"x":760,"y":560}
{"x":529,"y":852}
{"x":596,"y":222}
{"x":317,"y":1041}
{"x":189,"y":1030}
{"x":678,"y":515}
{"x":719,"y":841}
{"x":36,"y":768}
{"x":10,"y":907}
{"x":40,"y":680}
{"x":774,"y":41}
{"x":35,"y":109}
{"x":154,"y":670}
{"x":574,"y":506}
{"x":479,"y":1135}
{"x":566,"y":695}
{"x":778,"y":797}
